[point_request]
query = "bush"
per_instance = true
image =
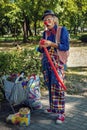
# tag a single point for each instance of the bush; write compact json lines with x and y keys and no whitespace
{"x":16,"y":61}
{"x":83,"y":38}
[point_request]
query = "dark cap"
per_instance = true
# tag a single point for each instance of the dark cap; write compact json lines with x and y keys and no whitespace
{"x":48,"y":12}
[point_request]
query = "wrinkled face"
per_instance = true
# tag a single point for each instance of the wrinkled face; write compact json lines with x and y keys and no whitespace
{"x":49,"y":21}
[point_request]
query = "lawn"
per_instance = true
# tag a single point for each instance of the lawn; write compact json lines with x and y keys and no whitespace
{"x":76,"y":80}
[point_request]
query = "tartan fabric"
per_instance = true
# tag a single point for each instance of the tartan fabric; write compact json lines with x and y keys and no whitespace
{"x":58,"y":99}
{"x":56,"y":93}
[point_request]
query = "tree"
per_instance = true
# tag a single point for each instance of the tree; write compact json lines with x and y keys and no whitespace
{"x":71,"y":13}
{"x":25,"y":16}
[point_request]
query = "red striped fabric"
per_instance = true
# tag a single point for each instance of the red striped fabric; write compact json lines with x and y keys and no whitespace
{"x":63,"y":55}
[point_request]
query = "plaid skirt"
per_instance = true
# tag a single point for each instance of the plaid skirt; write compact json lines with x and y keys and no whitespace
{"x":56,"y":92}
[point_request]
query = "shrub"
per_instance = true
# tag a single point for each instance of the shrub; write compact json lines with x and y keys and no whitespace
{"x":16,"y":61}
{"x":83,"y":38}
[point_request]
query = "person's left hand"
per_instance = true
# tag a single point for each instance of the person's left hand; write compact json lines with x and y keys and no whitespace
{"x":47,"y":43}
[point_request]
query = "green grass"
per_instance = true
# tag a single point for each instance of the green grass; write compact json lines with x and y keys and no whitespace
{"x":10,"y":38}
{"x":77,"y":36}
{"x":76,"y":80}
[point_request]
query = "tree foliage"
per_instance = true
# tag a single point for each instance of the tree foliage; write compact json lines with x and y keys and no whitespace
{"x":25,"y":16}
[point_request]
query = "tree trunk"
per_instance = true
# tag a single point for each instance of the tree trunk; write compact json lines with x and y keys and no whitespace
{"x":25,"y":29}
{"x":70,"y":30}
{"x":35,"y":26}
{"x":30,"y":32}
{"x":25,"y":33}
{"x":75,"y":32}
{"x":29,"y":28}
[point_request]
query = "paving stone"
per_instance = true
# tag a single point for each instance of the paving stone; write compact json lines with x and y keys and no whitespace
{"x":76,"y":116}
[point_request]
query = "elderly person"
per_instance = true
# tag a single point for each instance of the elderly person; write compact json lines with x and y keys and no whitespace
{"x":56,"y":92}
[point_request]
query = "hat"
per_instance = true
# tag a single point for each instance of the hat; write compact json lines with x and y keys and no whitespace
{"x":48,"y":12}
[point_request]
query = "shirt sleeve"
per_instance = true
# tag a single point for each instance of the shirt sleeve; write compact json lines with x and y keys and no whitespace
{"x":64,"y":40}
{"x":40,"y":50}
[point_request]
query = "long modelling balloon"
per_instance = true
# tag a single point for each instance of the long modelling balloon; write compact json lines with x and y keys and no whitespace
{"x":53,"y":67}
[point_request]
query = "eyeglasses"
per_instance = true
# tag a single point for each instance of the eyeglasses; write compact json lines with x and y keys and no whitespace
{"x":48,"y":19}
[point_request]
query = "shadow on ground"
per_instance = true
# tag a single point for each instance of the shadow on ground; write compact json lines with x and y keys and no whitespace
{"x":76,"y":116}
{"x":76,"y":80}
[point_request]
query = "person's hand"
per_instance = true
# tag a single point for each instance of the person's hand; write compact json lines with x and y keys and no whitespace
{"x":48,"y":43}
{"x":44,"y":43}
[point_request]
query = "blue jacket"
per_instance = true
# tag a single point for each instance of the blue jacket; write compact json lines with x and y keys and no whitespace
{"x":64,"y":39}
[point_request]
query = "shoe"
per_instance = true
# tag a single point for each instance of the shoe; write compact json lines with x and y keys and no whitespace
{"x":48,"y":110}
{"x":60,"y":119}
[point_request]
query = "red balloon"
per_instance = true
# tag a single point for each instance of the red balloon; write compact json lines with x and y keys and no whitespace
{"x":52,"y":65}
{"x":54,"y":69}
{"x":42,"y":41}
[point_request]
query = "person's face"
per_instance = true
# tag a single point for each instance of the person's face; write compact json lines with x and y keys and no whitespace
{"x":49,"y":21}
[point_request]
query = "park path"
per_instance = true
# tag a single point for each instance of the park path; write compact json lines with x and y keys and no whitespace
{"x":77,"y":57}
{"x":76,"y":116}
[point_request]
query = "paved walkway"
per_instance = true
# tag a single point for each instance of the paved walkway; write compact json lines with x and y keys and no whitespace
{"x":77,"y":57}
{"x":76,"y":116}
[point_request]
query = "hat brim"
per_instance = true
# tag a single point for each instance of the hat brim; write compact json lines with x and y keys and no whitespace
{"x":47,"y":14}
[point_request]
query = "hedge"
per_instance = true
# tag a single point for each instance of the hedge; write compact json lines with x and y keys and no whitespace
{"x":83,"y":38}
{"x":17,"y":61}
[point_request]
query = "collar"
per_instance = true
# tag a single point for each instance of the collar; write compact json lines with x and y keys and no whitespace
{"x":52,"y":31}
